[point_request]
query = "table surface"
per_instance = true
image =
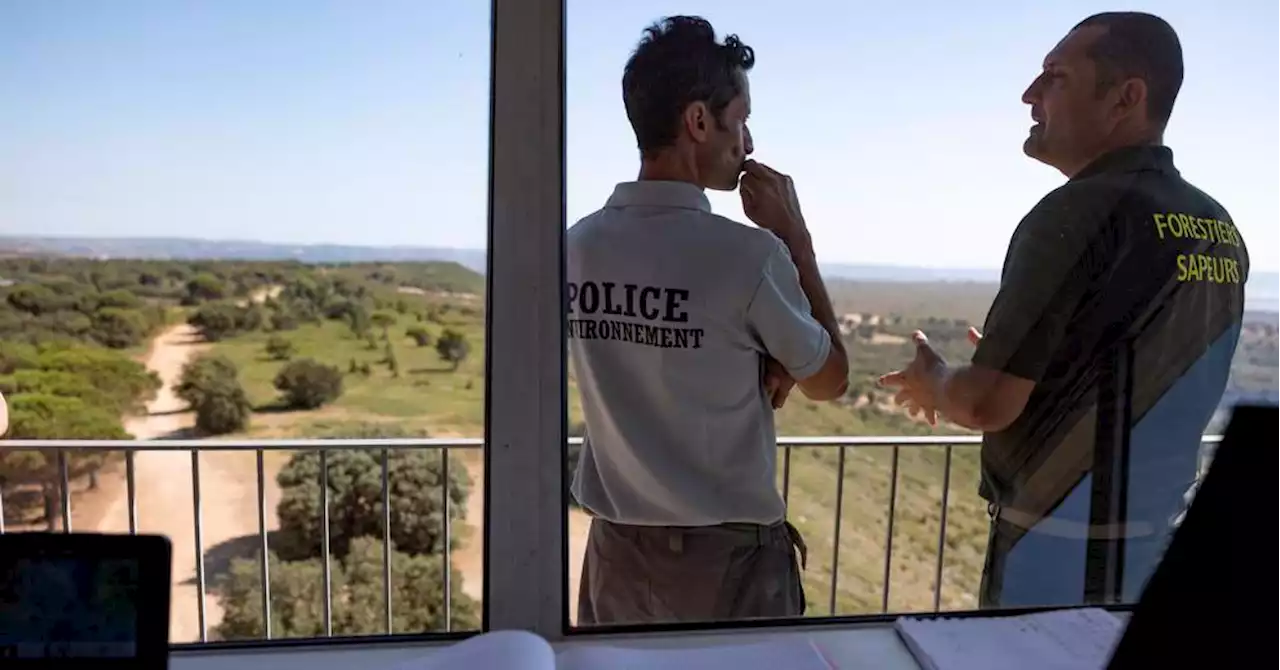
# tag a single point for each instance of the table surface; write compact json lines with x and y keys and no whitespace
{"x":861,"y":646}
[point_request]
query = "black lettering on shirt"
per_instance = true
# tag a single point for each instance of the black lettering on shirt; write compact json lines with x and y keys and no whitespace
{"x":609,"y":306}
{"x":646,"y":311}
{"x":651,"y":303}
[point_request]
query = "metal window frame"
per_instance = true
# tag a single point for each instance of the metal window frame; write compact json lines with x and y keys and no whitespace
{"x":525,"y":517}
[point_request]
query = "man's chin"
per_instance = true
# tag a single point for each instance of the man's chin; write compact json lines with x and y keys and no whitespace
{"x":1034,"y":148}
{"x":726,"y":185}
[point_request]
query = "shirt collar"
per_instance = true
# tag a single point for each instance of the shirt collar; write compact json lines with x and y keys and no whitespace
{"x":651,"y":193}
{"x":1137,"y":158}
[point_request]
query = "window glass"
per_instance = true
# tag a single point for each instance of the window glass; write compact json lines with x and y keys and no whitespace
{"x":903,"y":130}
{"x":253,"y":222}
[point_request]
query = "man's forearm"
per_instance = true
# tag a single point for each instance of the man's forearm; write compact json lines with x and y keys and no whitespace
{"x":974,"y":398}
{"x":814,"y":289}
{"x":954,"y":396}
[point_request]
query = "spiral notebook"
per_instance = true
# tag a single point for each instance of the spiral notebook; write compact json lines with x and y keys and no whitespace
{"x":1069,"y":639}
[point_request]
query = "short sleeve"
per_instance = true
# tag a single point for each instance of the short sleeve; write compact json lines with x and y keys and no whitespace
{"x":781,"y":321}
{"x":1052,"y":259}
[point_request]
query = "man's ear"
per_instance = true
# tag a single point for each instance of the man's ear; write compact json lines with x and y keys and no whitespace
{"x":697,"y":121}
{"x":1130,"y":98}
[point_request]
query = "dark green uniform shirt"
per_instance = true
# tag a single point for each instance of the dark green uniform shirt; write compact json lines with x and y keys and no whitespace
{"x":1125,"y":250}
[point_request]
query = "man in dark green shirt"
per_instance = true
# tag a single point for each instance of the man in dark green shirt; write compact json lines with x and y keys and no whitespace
{"x":1126,"y":261}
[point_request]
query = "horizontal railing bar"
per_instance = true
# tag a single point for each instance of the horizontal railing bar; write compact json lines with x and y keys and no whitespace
{"x":250,"y":445}
{"x":785,"y":442}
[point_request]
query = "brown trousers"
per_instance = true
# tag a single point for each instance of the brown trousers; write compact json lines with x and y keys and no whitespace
{"x":666,"y":574}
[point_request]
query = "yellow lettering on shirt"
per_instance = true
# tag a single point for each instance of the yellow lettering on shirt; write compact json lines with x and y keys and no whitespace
{"x":1179,"y":227}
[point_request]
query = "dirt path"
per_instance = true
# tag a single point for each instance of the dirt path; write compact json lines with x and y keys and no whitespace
{"x":469,"y":559}
{"x":165,"y":498}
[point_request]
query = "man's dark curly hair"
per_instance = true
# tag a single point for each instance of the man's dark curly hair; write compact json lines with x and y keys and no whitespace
{"x":677,"y":63}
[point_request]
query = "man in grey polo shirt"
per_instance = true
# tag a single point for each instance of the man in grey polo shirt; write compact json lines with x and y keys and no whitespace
{"x":686,"y":331}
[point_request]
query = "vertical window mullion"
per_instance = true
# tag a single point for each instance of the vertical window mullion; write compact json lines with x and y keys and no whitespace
{"x":525,"y":401}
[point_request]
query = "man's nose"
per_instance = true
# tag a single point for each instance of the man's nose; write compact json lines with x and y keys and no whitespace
{"x":748,"y":147}
{"x":1032,"y":95}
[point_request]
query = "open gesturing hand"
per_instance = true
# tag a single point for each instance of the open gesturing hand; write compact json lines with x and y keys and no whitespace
{"x":918,"y":383}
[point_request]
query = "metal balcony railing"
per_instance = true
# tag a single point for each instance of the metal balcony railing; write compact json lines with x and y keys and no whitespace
{"x":131,"y":448}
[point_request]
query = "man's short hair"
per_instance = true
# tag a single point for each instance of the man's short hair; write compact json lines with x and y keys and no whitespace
{"x":1142,"y":46}
{"x":679,"y":62}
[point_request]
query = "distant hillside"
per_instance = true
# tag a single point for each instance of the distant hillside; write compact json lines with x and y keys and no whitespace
{"x":905,"y":273}
{"x":189,"y":249}
{"x":186,"y":249}
{"x":1264,"y":287}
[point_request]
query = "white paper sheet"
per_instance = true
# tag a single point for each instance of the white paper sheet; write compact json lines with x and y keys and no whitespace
{"x":1070,"y":639}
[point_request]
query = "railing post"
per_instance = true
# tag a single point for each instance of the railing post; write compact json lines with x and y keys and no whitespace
{"x":1104,"y":552}
{"x":525,"y":399}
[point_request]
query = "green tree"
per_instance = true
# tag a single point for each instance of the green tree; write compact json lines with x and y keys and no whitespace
{"x":355,"y":500}
{"x":127,"y":382}
{"x":307,"y":383}
{"x":226,"y":410}
{"x":202,"y":375}
{"x":35,"y":299}
{"x":389,"y":357}
{"x":279,"y":348}
{"x":55,"y":383}
{"x":420,"y":336}
{"x":210,"y":384}
{"x":120,"y":299}
{"x":205,"y":287}
{"x":37,"y":416}
{"x":119,"y":328}
{"x":358,"y":605}
{"x":453,"y":347}
{"x":217,"y":320}
{"x":384,"y":320}
{"x":283,"y":318}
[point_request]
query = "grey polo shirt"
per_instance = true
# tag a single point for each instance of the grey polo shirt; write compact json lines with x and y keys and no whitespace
{"x":671,"y":311}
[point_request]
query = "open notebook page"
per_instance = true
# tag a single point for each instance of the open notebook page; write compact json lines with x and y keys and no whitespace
{"x":505,"y":649}
{"x":1071,"y":639}
{"x":787,"y":652}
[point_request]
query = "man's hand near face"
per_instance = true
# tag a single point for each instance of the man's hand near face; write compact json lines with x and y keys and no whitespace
{"x":769,"y":200}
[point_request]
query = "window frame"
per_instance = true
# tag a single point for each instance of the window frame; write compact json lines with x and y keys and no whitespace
{"x":526,"y":544}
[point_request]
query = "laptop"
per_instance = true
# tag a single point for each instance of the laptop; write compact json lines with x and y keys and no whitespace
{"x":1198,"y":608}
{"x":84,"y":600}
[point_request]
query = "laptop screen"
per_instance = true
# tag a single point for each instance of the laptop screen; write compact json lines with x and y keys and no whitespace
{"x":68,"y":607}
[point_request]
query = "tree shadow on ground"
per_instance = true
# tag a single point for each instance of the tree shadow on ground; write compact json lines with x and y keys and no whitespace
{"x":431,"y":371}
{"x":275,"y":407}
{"x":218,"y":558}
{"x":187,"y":433}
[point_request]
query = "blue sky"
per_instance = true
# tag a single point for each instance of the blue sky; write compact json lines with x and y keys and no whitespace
{"x":366,"y":122}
